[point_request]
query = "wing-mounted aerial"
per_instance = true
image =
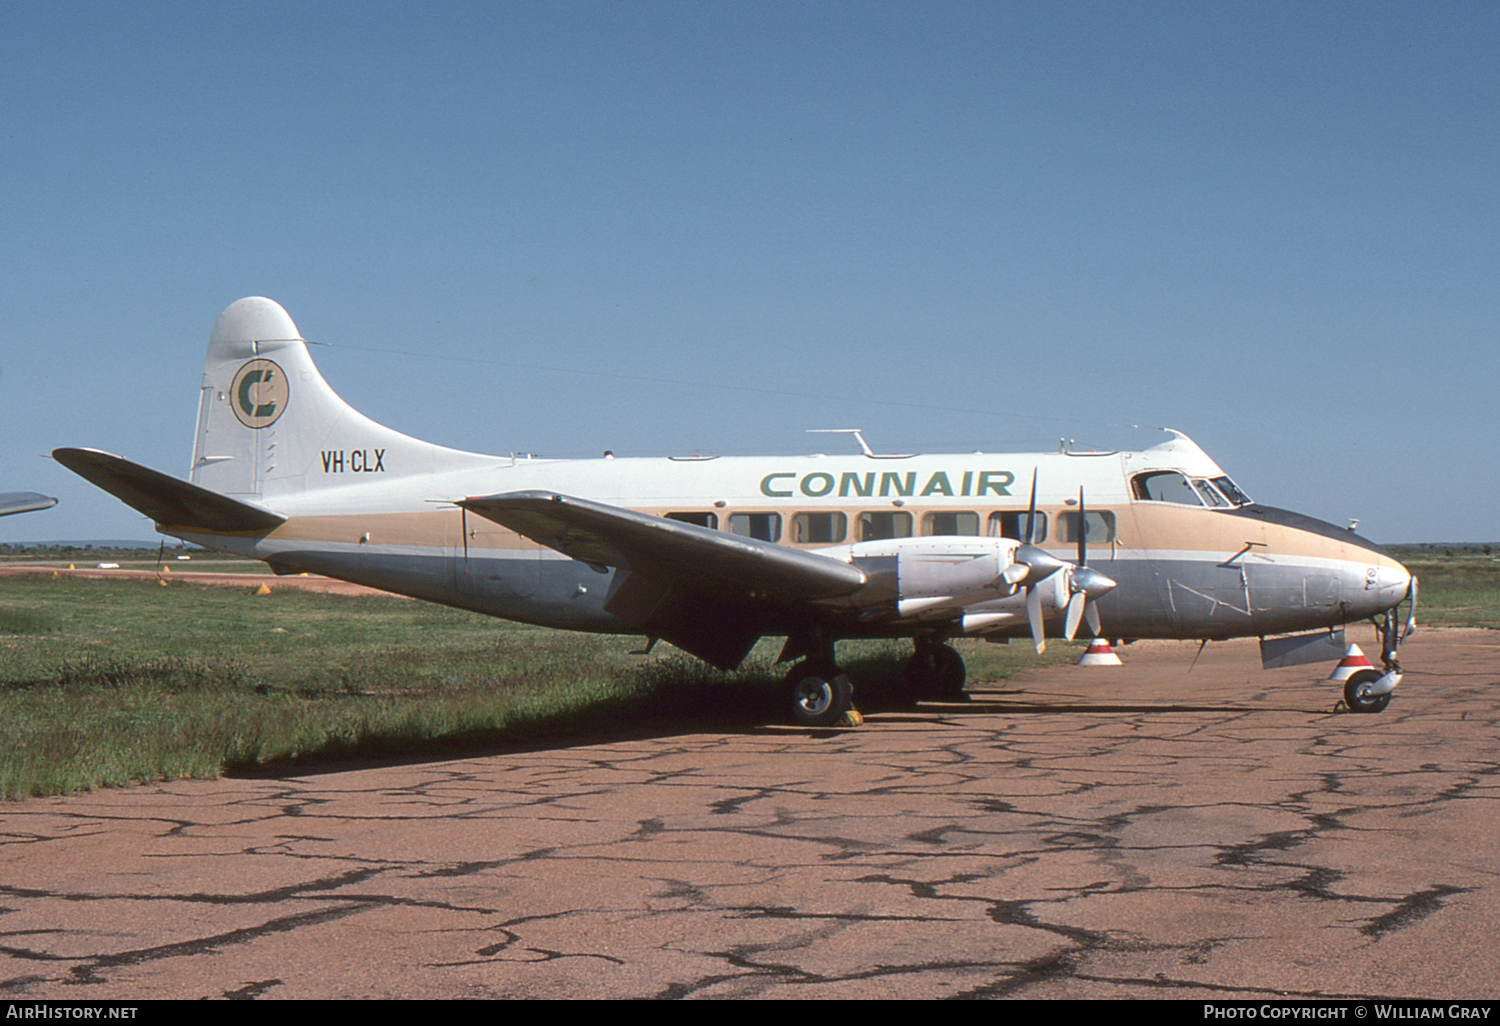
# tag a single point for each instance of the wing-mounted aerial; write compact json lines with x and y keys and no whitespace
{"x":708,"y":592}
{"x":169,"y":502}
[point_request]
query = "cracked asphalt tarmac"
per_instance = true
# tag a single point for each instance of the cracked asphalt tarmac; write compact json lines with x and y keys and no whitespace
{"x":1156,"y":830}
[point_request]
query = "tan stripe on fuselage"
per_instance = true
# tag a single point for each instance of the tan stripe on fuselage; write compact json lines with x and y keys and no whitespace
{"x":1141,"y":528}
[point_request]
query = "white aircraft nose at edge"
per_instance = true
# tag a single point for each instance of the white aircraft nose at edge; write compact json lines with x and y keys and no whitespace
{"x":712,"y":554}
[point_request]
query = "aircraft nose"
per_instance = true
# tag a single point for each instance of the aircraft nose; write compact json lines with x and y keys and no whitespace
{"x":1391,"y":582}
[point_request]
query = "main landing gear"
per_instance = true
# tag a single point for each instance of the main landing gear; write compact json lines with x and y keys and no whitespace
{"x":821,"y":693}
{"x":823,"y":697}
{"x":935,"y":670}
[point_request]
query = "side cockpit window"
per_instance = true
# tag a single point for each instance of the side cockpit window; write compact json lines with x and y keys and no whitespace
{"x":1164,"y":486}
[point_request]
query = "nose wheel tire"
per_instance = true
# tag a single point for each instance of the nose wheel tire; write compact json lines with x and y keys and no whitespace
{"x":1357,"y":693}
{"x":821,"y":700}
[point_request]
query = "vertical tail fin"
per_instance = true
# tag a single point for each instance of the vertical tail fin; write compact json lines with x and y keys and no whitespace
{"x":269,"y":426}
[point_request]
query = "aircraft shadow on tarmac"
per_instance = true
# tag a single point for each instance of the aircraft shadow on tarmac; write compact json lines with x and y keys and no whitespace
{"x":680,"y":709}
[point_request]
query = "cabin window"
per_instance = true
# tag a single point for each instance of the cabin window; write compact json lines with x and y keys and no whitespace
{"x":1013,"y":525}
{"x":1164,"y":486}
{"x":879,"y":524}
{"x":1099,"y":527}
{"x":764,"y":526}
{"x":701,"y":519}
{"x":819,"y":528}
{"x":946,"y":523}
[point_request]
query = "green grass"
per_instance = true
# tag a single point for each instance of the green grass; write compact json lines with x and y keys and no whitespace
{"x":110,"y":682}
{"x":1457,"y":586}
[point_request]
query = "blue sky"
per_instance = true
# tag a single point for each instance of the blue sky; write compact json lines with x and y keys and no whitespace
{"x":662,"y":228}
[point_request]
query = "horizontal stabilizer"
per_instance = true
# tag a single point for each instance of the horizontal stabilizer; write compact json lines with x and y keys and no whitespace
{"x":166,"y":500}
{"x":24,"y":502}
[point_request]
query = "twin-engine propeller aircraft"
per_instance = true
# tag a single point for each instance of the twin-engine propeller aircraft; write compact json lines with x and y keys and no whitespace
{"x":712,"y":554}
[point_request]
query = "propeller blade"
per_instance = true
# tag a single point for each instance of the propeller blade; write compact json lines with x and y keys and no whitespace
{"x":1034,"y":618}
{"x":1083,"y":530}
{"x":1076,"y":602}
{"x":1030,"y":538}
{"x":1091,"y":617}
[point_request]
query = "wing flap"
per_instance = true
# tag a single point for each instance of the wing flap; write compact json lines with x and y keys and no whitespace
{"x":727,"y":567}
{"x":718,"y":633}
{"x":166,"y":500}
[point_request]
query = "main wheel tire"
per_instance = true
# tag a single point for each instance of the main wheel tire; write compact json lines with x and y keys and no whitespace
{"x":936,"y":670}
{"x":1357,"y":692}
{"x":821,"y":701}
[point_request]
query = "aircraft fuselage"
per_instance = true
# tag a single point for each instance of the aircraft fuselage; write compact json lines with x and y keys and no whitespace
{"x":1183,"y":570}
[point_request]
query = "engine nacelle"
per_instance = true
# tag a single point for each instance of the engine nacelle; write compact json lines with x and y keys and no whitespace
{"x":941,"y":575}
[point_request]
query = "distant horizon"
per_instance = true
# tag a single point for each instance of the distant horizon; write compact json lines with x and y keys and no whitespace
{"x":172,"y":543}
{"x":105,"y":543}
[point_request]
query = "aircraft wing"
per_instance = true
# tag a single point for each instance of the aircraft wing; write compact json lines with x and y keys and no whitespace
{"x":166,"y":500}
{"x":707,"y":561}
{"x":708,"y":592}
{"x":24,"y":502}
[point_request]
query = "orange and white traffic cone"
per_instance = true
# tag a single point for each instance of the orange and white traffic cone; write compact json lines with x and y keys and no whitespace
{"x":1099,"y":654}
{"x":1354,"y":660}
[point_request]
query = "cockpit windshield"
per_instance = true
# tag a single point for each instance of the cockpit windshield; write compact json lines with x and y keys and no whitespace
{"x":1231,"y":491}
{"x":1210,"y":494}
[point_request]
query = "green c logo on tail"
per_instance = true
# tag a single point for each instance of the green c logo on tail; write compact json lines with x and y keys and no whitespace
{"x":258,"y":393}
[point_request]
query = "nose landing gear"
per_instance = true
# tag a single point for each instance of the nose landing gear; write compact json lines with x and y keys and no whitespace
{"x":1369,"y":691}
{"x":1360,"y":694}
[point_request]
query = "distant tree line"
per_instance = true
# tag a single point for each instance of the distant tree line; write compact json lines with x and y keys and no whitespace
{"x":1447,"y":548}
{"x":67,"y":551}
